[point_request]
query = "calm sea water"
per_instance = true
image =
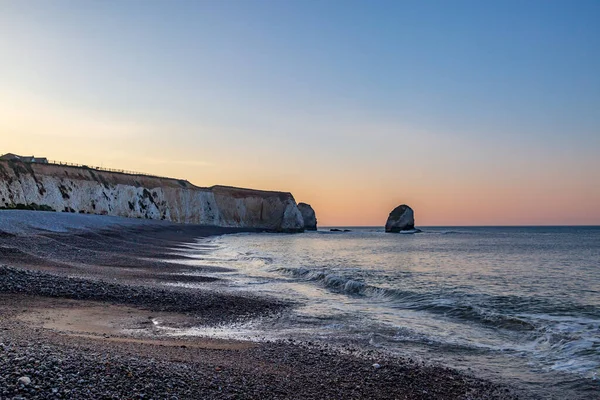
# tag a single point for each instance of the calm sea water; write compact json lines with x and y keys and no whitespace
{"x":514,"y":304}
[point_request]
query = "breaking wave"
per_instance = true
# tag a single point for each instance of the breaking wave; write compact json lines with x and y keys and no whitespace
{"x":457,"y":306}
{"x":524,"y":297}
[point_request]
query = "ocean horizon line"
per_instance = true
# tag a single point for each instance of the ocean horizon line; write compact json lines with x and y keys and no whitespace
{"x":466,"y":226}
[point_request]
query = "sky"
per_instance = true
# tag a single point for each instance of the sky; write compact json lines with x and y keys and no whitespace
{"x":471,"y":112}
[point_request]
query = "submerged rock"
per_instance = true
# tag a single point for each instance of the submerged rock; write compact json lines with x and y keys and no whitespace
{"x":308,"y":214}
{"x":402,"y":218}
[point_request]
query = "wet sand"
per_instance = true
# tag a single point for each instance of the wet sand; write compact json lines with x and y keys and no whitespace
{"x":77,"y":312}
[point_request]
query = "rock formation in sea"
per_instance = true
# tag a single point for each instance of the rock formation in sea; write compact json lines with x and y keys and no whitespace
{"x":54,"y":187}
{"x":402,"y":218}
{"x":309,"y":217}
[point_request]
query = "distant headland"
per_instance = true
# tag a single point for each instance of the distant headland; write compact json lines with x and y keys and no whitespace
{"x":38,"y":184}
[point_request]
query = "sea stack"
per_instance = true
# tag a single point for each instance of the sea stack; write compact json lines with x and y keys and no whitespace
{"x":402,"y":218}
{"x":308,"y":214}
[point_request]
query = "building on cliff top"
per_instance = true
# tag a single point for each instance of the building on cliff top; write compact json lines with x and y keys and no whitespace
{"x":29,"y":159}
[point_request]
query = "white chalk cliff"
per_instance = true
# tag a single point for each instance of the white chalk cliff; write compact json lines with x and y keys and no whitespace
{"x":92,"y":191}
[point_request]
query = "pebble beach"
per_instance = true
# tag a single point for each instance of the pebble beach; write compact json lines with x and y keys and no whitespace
{"x":78,"y":297}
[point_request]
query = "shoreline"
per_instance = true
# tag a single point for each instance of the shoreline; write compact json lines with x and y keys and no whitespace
{"x":76,"y":312}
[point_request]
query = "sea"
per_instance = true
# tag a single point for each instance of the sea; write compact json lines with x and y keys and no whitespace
{"x":515,"y":305}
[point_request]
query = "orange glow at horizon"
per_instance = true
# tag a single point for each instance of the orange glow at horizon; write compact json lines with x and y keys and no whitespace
{"x":366,"y":204}
{"x":342,"y":192}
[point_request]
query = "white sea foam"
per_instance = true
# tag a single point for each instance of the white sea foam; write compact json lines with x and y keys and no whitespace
{"x":475,"y":294}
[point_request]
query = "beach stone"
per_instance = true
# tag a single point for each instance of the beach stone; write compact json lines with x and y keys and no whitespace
{"x":24,"y":380}
{"x":309,"y":217}
{"x":401,"y":218}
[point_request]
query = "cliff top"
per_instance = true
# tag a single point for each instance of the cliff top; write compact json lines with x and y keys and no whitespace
{"x":103,"y":177}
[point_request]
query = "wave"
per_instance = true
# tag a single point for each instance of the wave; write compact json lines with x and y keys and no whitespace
{"x":457,"y":306}
{"x":371,"y":287}
{"x":567,"y":343}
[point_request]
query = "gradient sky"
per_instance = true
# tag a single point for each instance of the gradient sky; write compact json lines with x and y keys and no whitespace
{"x":472,"y":112}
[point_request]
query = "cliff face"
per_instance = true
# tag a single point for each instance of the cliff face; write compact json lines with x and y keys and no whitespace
{"x":309,"y":217}
{"x":85,"y":190}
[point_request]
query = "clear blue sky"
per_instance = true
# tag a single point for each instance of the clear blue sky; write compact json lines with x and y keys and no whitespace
{"x":347,"y":92}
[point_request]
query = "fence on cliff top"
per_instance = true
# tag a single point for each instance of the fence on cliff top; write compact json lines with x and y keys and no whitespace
{"x":119,"y":171}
